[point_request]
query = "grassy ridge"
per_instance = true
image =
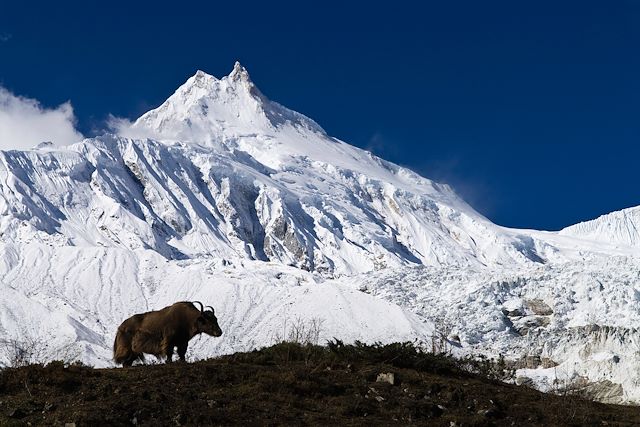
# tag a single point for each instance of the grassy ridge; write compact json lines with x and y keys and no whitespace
{"x":293,"y":384}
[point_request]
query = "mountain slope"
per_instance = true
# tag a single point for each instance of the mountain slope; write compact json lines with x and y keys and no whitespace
{"x":236,"y":175}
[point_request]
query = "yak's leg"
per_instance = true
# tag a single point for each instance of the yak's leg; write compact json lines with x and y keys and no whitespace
{"x":127,"y":363}
{"x":182,"y":351}
{"x":132,"y":357}
{"x":167,"y":349}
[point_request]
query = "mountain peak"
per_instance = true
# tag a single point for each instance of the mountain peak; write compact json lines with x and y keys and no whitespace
{"x":239,"y":73}
{"x":206,"y":81}
{"x":200,"y":80}
{"x":201,"y":75}
{"x":206,"y":108}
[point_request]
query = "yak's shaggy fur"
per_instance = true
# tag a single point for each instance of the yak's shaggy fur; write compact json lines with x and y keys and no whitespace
{"x":158,"y":332}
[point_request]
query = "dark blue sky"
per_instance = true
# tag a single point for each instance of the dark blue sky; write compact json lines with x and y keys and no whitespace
{"x":529,"y":109}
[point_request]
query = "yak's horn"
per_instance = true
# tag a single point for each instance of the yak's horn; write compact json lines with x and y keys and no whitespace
{"x":201,"y":306}
{"x":210,"y":308}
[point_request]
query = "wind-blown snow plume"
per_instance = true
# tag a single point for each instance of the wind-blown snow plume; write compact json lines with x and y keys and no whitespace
{"x":24,"y":123}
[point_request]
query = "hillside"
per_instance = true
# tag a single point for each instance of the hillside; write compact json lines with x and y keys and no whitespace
{"x":291,"y":384}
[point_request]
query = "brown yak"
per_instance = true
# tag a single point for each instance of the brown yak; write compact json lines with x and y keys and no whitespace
{"x":158,"y":332}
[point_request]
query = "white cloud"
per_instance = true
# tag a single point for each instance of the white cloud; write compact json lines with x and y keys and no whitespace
{"x":24,"y":123}
{"x":124,"y":127}
{"x":128,"y":129}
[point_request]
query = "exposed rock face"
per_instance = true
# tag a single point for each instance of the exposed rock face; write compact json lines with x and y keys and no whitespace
{"x":538,"y":307}
{"x":533,"y":362}
{"x":284,"y":240}
{"x":604,"y":391}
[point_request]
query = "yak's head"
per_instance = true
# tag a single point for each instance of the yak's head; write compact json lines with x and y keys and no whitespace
{"x":208,"y":323}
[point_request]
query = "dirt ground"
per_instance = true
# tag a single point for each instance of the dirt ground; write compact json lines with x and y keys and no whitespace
{"x":289,"y":384}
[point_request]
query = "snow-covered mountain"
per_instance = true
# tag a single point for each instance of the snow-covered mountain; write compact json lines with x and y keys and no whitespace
{"x":224,"y":196}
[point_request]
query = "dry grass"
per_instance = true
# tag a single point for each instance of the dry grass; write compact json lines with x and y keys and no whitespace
{"x":291,"y":383}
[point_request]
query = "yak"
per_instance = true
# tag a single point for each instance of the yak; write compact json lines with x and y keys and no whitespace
{"x":158,"y":332}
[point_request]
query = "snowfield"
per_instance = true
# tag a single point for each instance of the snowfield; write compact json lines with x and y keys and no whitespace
{"x":224,"y":196}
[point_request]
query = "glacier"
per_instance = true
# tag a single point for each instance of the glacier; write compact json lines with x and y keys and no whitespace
{"x":224,"y":196}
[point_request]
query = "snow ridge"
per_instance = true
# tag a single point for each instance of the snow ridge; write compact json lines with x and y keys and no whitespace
{"x":622,"y":227}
